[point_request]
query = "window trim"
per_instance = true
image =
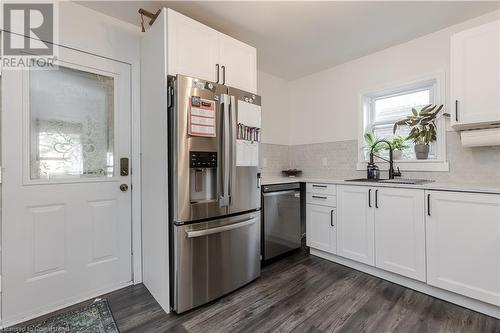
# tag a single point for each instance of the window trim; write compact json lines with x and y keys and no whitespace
{"x":438,"y":80}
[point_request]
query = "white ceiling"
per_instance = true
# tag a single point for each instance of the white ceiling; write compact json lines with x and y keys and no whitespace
{"x":295,"y":39}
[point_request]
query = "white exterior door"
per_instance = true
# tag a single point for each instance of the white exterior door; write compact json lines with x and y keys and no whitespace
{"x":400,"y":232}
{"x":355,"y":223}
{"x":463,"y":244}
{"x":66,"y":224}
{"x":320,"y":227}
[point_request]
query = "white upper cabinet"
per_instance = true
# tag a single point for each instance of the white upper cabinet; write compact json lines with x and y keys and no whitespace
{"x":240,"y":63}
{"x":192,"y":48}
{"x":400,"y":231}
{"x":355,"y":223}
{"x":199,"y":51}
{"x":475,"y":77}
{"x":463,"y":244}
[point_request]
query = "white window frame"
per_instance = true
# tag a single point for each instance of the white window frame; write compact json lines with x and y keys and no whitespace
{"x":437,"y":80}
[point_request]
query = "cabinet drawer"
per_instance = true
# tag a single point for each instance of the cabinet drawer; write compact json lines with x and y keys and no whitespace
{"x":328,"y":189}
{"x":321,"y":199}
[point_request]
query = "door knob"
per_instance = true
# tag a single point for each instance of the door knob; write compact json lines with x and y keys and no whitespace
{"x":124,"y":187}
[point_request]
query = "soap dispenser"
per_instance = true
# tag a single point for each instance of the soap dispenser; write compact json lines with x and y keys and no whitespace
{"x":372,"y":171}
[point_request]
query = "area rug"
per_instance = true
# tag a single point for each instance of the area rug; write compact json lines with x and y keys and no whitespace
{"x":92,"y":318}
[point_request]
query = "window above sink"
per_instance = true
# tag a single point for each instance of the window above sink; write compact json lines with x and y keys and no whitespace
{"x":381,"y":107}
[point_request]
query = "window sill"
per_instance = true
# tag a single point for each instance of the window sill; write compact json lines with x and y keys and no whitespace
{"x":411,"y":165}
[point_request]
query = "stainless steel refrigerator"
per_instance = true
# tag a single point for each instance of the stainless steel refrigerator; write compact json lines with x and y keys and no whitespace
{"x":214,"y":205}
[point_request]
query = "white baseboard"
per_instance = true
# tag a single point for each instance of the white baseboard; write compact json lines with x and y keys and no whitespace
{"x":61,"y":305}
{"x":466,"y":302}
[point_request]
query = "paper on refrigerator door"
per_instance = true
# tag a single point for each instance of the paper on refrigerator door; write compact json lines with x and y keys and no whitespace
{"x":247,"y":153}
{"x":249,"y":114}
{"x":202,"y":118}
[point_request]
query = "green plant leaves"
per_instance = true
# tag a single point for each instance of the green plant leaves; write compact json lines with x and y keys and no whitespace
{"x":423,"y":128}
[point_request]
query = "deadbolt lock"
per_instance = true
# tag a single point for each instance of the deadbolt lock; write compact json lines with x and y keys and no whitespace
{"x":124,"y":187}
{"x":124,"y":166}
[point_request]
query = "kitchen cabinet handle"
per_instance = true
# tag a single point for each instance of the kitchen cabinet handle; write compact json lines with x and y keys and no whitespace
{"x":322,"y":186}
{"x":223,"y":74}
{"x":456,"y":110}
{"x":217,"y":67}
{"x":376,"y":198}
{"x":331,"y":217}
{"x":370,"y":198}
{"x":319,"y":197}
{"x":428,"y":204}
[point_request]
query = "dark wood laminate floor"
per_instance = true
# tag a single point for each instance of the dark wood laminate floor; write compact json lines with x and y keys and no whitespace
{"x":304,"y":293}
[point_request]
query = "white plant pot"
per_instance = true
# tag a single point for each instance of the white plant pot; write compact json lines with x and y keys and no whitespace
{"x":397,"y":154}
{"x":422,"y":151}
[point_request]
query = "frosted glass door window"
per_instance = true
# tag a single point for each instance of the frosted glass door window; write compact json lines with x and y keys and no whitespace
{"x":71,"y":124}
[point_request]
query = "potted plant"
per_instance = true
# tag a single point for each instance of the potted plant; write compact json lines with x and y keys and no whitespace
{"x":398,"y":144}
{"x":423,"y":128}
{"x":370,"y":140}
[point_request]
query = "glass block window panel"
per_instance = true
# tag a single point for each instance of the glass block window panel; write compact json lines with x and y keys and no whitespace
{"x":72,"y":129}
{"x":386,"y":108}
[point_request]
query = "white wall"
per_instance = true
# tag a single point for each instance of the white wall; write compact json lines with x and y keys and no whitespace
{"x":325,"y":105}
{"x":275,"y":108}
{"x":91,"y":31}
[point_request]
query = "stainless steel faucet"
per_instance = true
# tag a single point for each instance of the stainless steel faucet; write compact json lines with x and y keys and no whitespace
{"x":392,"y":173}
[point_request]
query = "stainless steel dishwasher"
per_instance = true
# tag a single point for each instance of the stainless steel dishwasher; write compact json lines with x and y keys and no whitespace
{"x":281,"y":227}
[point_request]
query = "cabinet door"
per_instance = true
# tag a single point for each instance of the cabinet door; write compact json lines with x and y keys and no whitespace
{"x":320,"y":228}
{"x":355,"y":223}
{"x":400,"y":231}
{"x":193,"y":48}
{"x":475,"y":76}
{"x":463,"y":244}
{"x":240,"y":62}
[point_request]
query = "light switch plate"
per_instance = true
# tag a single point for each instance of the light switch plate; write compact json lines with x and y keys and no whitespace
{"x":324,"y":161}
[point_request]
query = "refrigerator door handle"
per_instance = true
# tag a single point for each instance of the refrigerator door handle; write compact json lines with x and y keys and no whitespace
{"x":217,"y":230}
{"x":226,"y":145}
{"x":232,"y":108}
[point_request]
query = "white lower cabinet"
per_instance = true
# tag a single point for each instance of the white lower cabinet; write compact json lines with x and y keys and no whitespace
{"x":463,"y":244}
{"x":383,"y":227}
{"x":449,"y":240}
{"x":321,"y":228}
{"x":355,"y":224}
{"x":400,"y":231}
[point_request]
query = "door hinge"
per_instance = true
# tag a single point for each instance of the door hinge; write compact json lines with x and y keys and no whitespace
{"x":170,"y":94}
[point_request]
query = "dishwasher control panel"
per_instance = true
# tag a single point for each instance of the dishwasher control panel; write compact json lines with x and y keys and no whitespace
{"x":281,"y":187}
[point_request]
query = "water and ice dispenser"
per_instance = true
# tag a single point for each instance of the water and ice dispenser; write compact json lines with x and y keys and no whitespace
{"x":203,"y":176}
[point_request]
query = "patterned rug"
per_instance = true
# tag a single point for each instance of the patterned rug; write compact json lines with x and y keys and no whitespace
{"x":92,"y":318}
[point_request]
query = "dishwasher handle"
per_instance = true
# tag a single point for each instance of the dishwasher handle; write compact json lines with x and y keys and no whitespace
{"x":295,"y":193}
{"x":206,"y":232}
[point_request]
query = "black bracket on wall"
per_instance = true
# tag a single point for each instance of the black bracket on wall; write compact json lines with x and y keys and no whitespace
{"x":152,"y":17}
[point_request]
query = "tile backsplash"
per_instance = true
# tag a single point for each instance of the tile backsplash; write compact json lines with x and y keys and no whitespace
{"x":338,"y":160}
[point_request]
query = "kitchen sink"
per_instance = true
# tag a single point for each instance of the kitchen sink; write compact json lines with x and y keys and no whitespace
{"x":408,"y":181}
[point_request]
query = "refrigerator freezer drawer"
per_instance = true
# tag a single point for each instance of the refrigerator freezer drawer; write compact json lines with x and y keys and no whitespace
{"x":214,"y":258}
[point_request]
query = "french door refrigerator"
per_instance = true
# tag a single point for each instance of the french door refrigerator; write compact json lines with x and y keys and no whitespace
{"x":214,"y":204}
